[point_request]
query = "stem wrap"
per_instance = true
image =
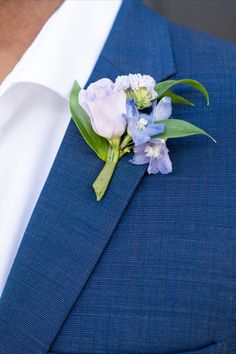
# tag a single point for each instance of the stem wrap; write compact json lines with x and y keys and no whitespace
{"x":102,"y":181}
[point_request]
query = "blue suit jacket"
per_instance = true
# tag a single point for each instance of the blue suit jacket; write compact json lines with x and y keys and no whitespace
{"x":152,"y":267}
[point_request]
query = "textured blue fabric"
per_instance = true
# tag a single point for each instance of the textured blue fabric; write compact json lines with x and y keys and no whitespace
{"x":152,"y":267}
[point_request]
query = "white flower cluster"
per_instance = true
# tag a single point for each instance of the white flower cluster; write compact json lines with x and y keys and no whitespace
{"x":136,"y":81}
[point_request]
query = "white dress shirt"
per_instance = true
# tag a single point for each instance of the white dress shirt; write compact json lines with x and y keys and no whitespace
{"x":34,"y":110}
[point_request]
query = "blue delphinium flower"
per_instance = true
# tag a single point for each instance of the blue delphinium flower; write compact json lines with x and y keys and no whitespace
{"x":141,"y":126}
{"x":154,"y":153}
{"x":163,"y":109}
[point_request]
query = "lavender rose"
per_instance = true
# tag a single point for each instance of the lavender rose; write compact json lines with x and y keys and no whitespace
{"x":105,"y":106}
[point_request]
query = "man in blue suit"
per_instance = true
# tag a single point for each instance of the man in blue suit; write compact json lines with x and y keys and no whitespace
{"x":152,"y":267}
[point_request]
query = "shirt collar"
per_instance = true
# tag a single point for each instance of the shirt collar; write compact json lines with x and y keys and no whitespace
{"x":67,"y":47}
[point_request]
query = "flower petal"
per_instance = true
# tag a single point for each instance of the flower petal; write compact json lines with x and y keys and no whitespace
{"x":140,"y":149}
{"x":131,"y":110}
{"x":106,"y":115}
{"x":153,"y":166}
{"x":165,"y":164}
{"x":139,"y":137}
{"x":106,"y":107}
{"x":154,"y":129}
{"x":163,"y":109}
{"x":139,"y":159}
{"x":83,"y":101}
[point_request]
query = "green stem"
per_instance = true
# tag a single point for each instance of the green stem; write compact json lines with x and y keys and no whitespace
{"x":113,"y":150}
{"x":125,"y":151}
{"x":125,"y":141}
{"x":102,"y":181}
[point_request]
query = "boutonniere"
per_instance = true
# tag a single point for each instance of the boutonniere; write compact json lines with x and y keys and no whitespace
{"x":131,"y":115}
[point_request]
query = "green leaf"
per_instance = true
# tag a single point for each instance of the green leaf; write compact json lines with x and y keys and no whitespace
{"x":82,"y":121}
{"x":177,"y":128}
{"x":176,"y":99}
{"x":164,"y":86}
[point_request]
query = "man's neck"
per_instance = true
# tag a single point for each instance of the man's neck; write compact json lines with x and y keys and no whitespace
{"x":20,"y":22}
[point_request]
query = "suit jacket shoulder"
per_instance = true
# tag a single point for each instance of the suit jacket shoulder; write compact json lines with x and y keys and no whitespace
{"x":210,"y":53}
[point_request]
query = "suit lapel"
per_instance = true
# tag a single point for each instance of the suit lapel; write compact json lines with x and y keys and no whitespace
{"x":69,"y":229}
